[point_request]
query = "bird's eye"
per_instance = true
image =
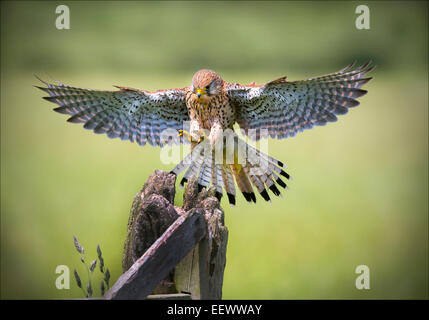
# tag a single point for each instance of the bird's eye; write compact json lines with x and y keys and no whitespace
{"x":207,"y":88}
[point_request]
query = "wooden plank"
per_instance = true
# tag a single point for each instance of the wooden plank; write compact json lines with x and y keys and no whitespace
{"x":154,"y":265}
{"x":171,"y":296}
{"x":187,"y":274}
{"x":200,"y":273}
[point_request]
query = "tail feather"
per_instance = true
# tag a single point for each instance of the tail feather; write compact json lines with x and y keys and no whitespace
{"x":269,"y":182}
{"x":260,"y":171}
{"x":259,"y":184}
{"x":182,"y":165}
{"x":229,"y":184}
{"x":265,"y":156}
{"x":203,"y":175}
{"x":275,"y":190}
{"x":216,"y":179}
{"x":219,"y":180}
{"x":243,"y":182}
{"x":248,"y":185}
{"x":193,"y":162}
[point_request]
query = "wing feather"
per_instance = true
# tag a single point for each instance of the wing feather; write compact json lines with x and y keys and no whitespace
{"x":129,"y":114}
{"x":280,"y":109}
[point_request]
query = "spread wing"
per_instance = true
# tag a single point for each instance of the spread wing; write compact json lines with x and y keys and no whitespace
{"x":284,"y":108}
{"x":129,"y":114}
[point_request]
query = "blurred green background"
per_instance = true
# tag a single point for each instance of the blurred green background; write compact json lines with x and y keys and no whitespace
{"x":360,"y":189}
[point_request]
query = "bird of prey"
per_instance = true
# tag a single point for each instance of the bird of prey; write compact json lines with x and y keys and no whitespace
{"x":210,"y":105}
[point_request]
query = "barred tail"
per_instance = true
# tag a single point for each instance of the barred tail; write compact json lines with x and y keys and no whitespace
{"x":258,"y":171}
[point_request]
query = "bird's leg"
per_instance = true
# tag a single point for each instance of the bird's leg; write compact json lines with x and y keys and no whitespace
{"x":216,"y":135}
{"x":194,"y":129}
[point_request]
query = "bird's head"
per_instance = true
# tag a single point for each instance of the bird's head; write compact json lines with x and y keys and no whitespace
{"x":206,"y":84}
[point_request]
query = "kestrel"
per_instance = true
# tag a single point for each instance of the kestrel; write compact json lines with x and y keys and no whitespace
{"x":278,"y":109}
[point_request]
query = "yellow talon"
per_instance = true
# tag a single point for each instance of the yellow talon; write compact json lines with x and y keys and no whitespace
{"x":187,"y":135}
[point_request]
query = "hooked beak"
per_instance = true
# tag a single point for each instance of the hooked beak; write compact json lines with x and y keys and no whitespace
{"x":200,"y":92}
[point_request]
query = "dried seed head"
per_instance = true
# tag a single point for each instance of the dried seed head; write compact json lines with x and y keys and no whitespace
{"x":107,"y":276}
{"x":77,"y":245}
{"x":102,"y":287}
{"x":89,"y":289}
{"x":93,"y":265}
{"x":99,"y":251}
{"x":78,"y":282}
{"x":101,"y":264}
{"x":82,"y":259}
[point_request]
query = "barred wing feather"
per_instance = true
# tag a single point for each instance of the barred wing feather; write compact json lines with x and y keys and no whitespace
{"x":129,"y":114}
{"x":284,"y":108}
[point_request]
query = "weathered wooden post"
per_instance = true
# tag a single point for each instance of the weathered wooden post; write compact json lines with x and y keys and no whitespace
{"x":200,"y":273}
{"x":173,"y":252}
